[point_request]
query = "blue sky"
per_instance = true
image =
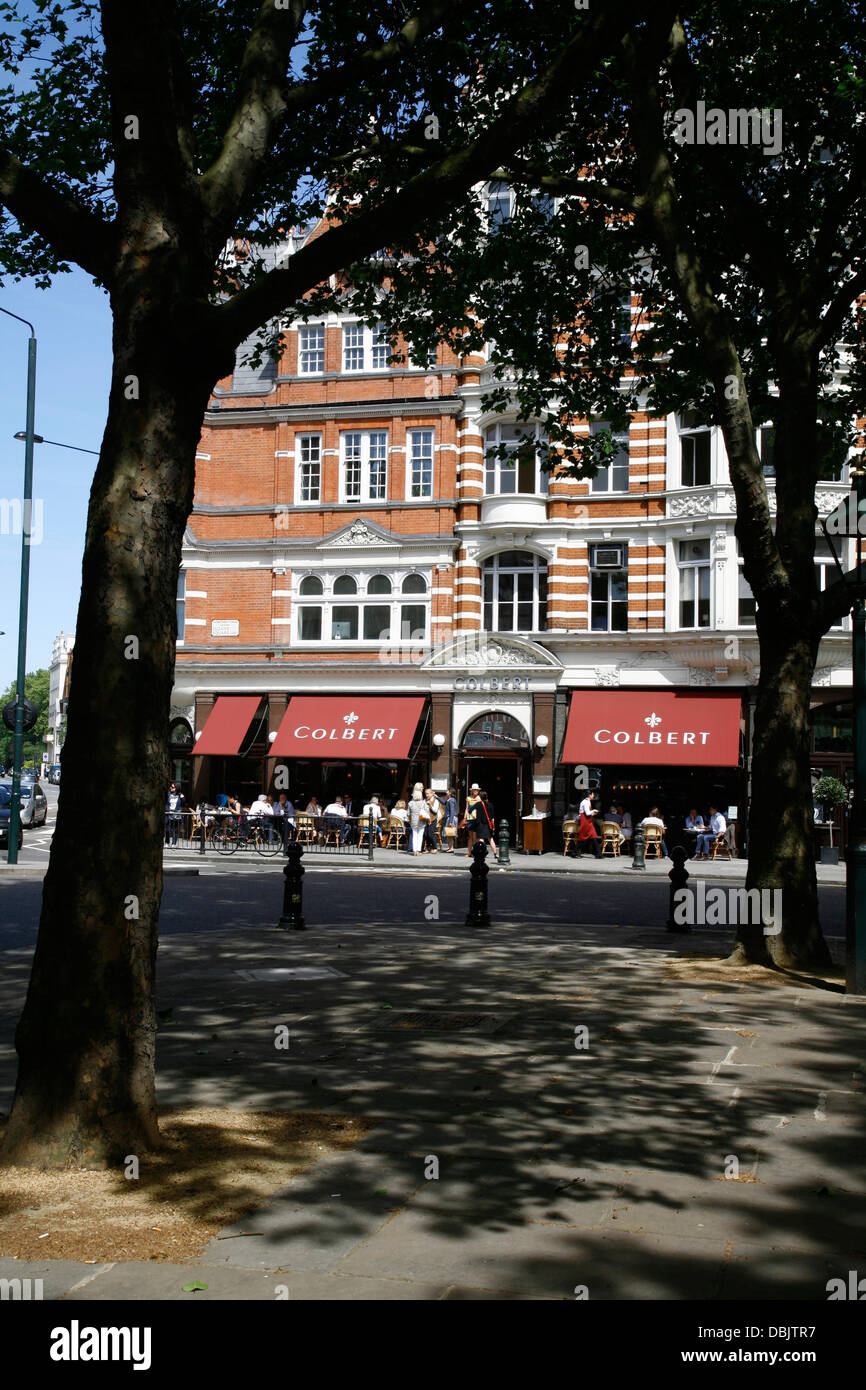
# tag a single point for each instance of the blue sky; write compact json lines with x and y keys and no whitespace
{"x":73,"y":328}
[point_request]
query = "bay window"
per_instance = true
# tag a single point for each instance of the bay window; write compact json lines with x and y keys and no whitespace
{"x":520,"y":470}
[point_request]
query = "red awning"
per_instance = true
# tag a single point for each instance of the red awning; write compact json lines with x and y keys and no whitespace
{"x":650,"y":726}
{"x":346,"y":726}
{"x":227,"y":725}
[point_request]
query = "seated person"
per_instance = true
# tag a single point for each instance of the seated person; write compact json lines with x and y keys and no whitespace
{"x":336,"y":818}
{"x":654,"y":819}
{"x":718,"y":826}
{"x":400,"y":812}
{"x":313,"y":807}
{"x":373,"y":809}
{"x":694,"y":825}
{"x":613,"y":816}
{"x":624,"y":823}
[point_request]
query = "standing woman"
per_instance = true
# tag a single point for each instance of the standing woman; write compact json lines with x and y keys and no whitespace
{"x":473,"y":801}
{"x":451,"y":819}
{"x":484,"y":824}
{"x":417,"y":821}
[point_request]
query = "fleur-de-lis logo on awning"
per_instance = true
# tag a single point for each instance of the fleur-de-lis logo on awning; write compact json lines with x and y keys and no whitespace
{"x":351,"y":718}
{"x":653,"y":719}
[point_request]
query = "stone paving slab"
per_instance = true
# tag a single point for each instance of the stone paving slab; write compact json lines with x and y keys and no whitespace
{"x":58,"y":1277}
{"x":164,"y":1282}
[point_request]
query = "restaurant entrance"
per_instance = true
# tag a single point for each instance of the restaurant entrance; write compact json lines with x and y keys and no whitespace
{"x":495,"y":753}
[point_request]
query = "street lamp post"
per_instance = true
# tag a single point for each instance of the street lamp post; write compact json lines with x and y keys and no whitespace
{"x":26,"y":521}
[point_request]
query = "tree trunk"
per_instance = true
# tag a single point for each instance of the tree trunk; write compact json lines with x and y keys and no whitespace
{"x":86,"y":1039}
{"x":781,"y":854}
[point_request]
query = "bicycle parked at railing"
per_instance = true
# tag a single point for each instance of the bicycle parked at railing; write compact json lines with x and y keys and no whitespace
{"x":264,"y":837}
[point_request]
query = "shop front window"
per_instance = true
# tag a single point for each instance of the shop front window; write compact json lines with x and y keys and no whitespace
{"x":498,"y":732}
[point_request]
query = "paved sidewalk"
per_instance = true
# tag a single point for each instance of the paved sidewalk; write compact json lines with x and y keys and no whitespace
{"x":190,"y":861}
{"x":702,"y":1140}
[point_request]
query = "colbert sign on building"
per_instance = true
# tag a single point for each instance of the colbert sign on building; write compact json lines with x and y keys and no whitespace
{"x":661,"y":728}
{"x":342,"y":726}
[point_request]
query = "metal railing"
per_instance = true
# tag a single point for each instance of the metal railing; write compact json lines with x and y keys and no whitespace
{"x":212,"y":830}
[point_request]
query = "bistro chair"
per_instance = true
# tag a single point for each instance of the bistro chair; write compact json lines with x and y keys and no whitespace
{"x":397,"y":836}
{"x":332,"y":827}
{"x":366,"y":827}
{"x":721,"y":846}
{"x":305,"y":829}
{"x":611,"y":837}
{"x":652,"y":841}
{"x":569,"y":834}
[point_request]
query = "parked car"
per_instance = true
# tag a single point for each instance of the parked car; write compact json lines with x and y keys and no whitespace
{"x":34,"y":806}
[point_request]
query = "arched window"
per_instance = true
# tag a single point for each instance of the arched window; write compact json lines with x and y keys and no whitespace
{"x":515,"y":592}
{"x":520,"y":470}
{"x":496,"y":730}
{"x":379,"y":610}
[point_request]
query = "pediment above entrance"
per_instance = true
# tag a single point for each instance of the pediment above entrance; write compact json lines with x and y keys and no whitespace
{"x":360,"y":534}
{"x":485,"y":652}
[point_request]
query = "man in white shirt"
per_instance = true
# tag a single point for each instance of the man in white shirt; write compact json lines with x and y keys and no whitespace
{"x":263,"y":806}
{"x":336,"y":818}
{"x":718,"y":826}
{"x":655,"y":819}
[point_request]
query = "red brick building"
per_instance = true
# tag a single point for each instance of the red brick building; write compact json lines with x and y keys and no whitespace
{"x":353,"y":542}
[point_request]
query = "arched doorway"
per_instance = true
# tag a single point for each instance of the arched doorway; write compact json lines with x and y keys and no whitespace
{"x":495,"y":751}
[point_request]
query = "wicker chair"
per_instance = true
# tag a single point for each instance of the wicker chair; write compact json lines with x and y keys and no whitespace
{"x":611,"y":838}
{"x":569,"y":834}
{"x":305,"y":829}
{"x":653,"y":841}
{"x":722,"y":846}
{"x":396,"y":833}
{"x":364,"y":830}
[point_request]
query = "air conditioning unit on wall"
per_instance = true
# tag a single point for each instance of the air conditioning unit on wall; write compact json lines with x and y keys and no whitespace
{"x":609,"y":557}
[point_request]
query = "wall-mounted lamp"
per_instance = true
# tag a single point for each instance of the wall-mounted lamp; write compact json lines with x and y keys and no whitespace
{"x":542,"y":741}
{"x":438,"y":744}
{"x":271,"y":737}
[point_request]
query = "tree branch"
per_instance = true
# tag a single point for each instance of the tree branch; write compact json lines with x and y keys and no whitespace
{"x":264,"y":103}
{"x":839,"y":306}
{"x":361,"y":235}
{"x":73,"y":232}
{"x":668,"y":229}
{"x":260,"y":106}
{"x":569,"y":185}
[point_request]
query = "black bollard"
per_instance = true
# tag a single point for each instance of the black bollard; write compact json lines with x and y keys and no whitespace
{"x":679,"y":877}
{"x":293,"y":893}
{"x":504,"y":843}
{"x":478,"y":916}
{"x":638,"y":844}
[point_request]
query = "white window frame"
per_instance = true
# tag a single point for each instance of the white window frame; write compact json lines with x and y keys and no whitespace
{"x":695,"y":565}
{"x":302,"y":464}
{"x":493,"y":467}
{"x":606,"y":474}
{"x":691,"y":432}
{"x":180,"y":605}
{"x":364,"y":463}
{"x":373,"y":351}
{"x":609,"y":575}
{"x":491,"y":569}
{"x":303,"y":350}
{"x":328,"y":601}
{"x":416,"y":461}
